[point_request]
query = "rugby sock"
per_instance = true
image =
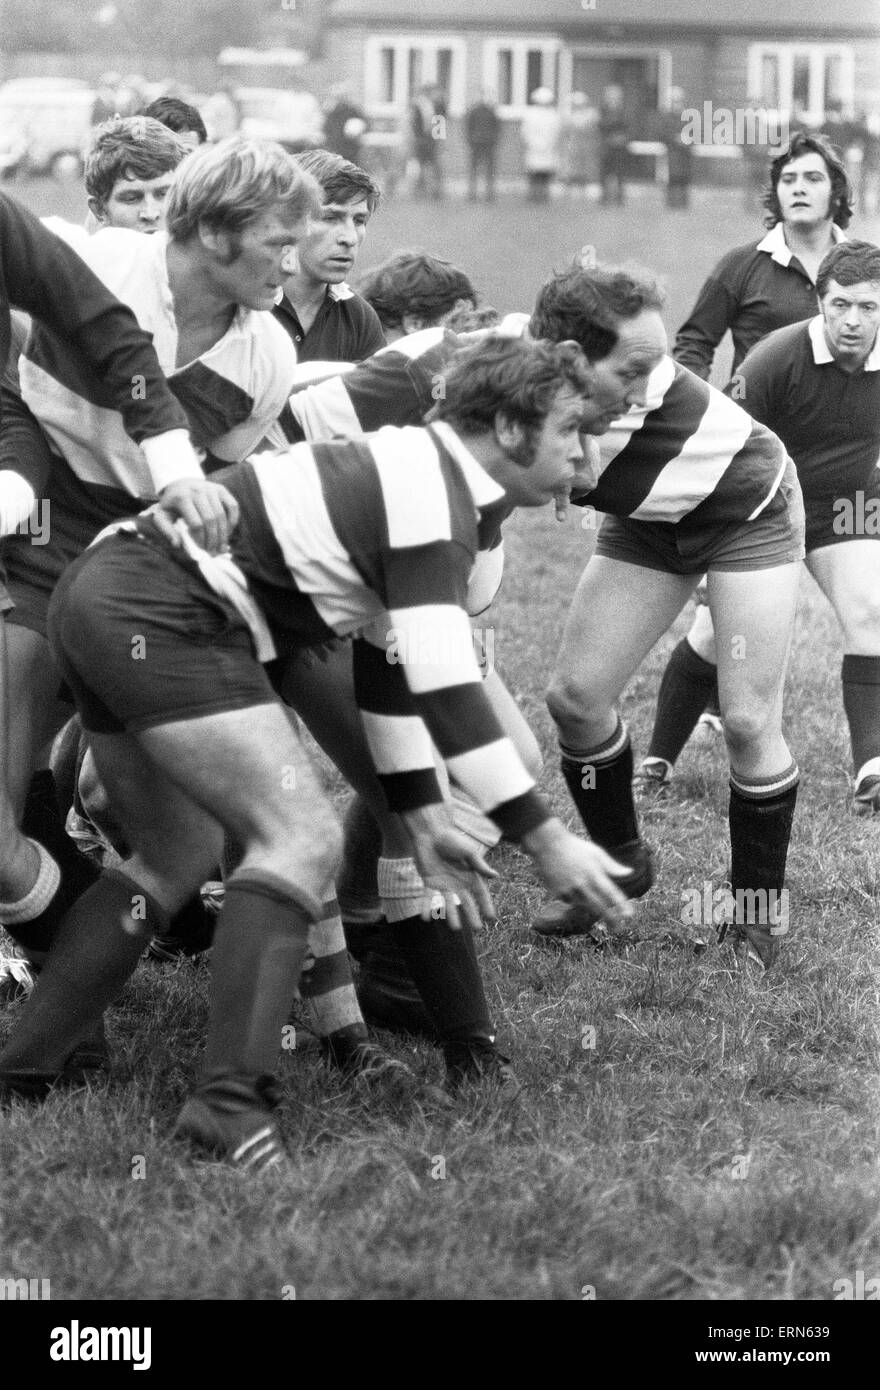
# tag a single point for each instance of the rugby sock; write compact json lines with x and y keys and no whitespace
{"x":600,"y":782}
{"x":99,"y":943}
{"x":443,"y":963}
{"x":259,"y":947}
{"x":34,"y":921}
{"x":689,"y":684}
{"x":861,"y":703}
{"x":329,"y":1002}
{"x":761,"y":814}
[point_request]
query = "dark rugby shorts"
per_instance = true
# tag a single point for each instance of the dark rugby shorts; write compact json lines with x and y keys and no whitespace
{"x":849,"y":515}
{"x":142,"y":640}
{"x":775,"y":537}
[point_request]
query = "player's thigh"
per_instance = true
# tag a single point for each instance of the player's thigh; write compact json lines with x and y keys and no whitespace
{"x":753,"y":612}
{"x":248,"y":769}
{"x":619,"y":611}
{"x":702,"y":633}
{"x":172,"y":839}
{"x":849,"y":576}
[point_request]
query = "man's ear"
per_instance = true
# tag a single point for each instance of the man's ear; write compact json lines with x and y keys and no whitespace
{"x":413,"y":323}
{"x":98,"y":211}
{"x":216,"y":241}
{"x":509,"y":433}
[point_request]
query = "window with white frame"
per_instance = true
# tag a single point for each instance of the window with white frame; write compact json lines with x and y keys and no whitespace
{"x":802,"y":79}
{"x":397,"y":66}
{"x":514,"y":68}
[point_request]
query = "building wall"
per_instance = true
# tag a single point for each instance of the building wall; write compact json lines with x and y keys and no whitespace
{"x":709,"y":68}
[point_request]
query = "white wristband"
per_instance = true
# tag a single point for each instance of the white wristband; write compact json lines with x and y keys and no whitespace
{"x":170,"y":457}
{"x":16,"y":500}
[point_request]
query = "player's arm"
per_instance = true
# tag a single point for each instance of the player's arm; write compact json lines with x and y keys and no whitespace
{"x":388,"y":389}
{"x":422,"y":687}
{"x":709,"y":320}
{"x":48,"y":279}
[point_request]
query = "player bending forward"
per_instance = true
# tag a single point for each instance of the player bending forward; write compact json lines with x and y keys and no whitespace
{"x":192,"y":743}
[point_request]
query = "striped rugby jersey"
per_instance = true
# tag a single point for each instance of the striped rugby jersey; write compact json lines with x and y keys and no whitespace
{"x":231,"y":394}
{"x":377,"y":536}
{"x":689,"y":456}
{"x":396,"y":386}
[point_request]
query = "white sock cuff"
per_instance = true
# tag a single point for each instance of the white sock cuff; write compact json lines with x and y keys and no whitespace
{"x":869,"y":769}
{"x":401,"y":888}
{"x":40,"y":895}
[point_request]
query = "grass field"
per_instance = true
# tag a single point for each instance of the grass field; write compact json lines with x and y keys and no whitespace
{"x":685,"y":1133}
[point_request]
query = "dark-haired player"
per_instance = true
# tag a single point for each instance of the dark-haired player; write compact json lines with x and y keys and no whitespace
{"x":181,"y":117}
{"x":325,"y":318}
{"x":377,"y":536}
{"x":817,"y":385}
{"x":128,"y":169}
{"x":753,"y":290}
{"x":691,"y":484}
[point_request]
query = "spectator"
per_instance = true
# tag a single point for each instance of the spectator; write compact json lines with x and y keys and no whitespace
{"x":344,"y":125}
{"x":427,"y":129}
{"x":540,"y":133}
{"x":482,"y":128}
{"x":679,"y":156}
{"x":580,"y":144}
{"x":614,"y":130}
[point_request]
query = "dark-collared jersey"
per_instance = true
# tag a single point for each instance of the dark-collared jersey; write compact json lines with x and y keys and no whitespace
{"x":377,"y":537}
{"x":753,"y":290}
{"x":231,"y":394}
{"x":689,"y":456}
{"x":345,"y":329}
{"x":828,"y":419}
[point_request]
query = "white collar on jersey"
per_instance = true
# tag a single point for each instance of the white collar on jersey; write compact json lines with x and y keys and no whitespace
{"x":484,"y":488}
{"x":340,"y":291}
{"x":775,"y":245}
{"x":822,"y":353}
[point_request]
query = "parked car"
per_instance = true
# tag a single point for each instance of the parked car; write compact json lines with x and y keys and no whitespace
{"x":45,"y":124}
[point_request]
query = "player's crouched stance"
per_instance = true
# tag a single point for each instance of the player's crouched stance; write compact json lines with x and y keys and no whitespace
{"x":163,"y":650}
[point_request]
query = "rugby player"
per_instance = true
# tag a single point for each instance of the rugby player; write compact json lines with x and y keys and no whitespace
{"x":49,"y":281}
{"x":325,"y":318}
{"x":181,"y":117}
{"x":691,"y":484}
{"x":203,"y":292}
{"x":752,"y":291}
{"x":817,"y":386}
{"x":376,"y":536}
{"x":128,"y":170}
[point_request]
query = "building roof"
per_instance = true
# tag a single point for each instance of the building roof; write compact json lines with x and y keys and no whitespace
{"x":800,"y":16}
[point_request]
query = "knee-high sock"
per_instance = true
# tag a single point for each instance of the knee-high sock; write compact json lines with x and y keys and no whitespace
{"x":600,"y":782}
{"x":689,"y":684}
{"x":444,"y":966}
{"x":761,"y":813}
{"x":99,"y":943}
{"x":329,"y":1002}
{"x":261,"y":940}
{"x":861,"y":703}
